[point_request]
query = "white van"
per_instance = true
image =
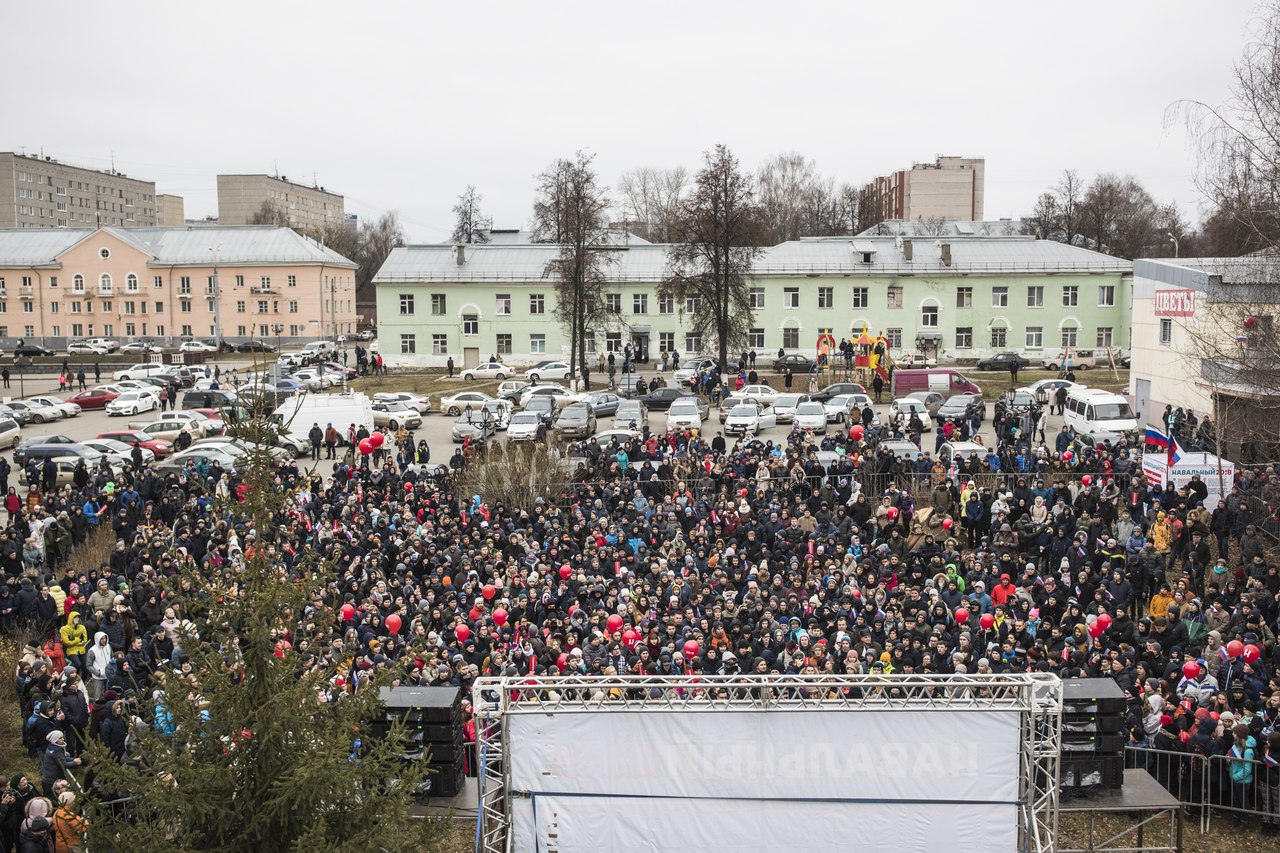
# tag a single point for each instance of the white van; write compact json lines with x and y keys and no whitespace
{"x":1099,"y":415}
{"x":317,"y":348}
{"x":1076,"y":359}
{"x":299,"y":412}
{"x":10,"y":432}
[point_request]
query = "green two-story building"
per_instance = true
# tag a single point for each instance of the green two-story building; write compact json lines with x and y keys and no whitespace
{"x":957,"y":298}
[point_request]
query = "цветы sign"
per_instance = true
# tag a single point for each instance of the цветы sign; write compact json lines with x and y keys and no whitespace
{"x":1175,"y":303}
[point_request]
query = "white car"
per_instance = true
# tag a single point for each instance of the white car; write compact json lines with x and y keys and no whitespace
{"x":132,"y":403}
{"x":549,"y":370}
{"x":500,"y":411}
{"x":903,"y":408}
{"x":457,"y":403}
{"x":420,"y":402}
{"x":526,"y":426}
{"x":117,"y":452}
{"x":748,"y":418}
{"x":38,"y":413}
{"x":811,"y":416}
{"x":684,"y":414}
{"x":141,"y":348}
{"x":309,"y":379}
{"x":69,"y":410}
{"x":841,"y":408}
{"x":132,"y":385}
{"x":784,"y":406}
{"x":199,"y":425}
{"x":488,"y":370}
{"x":692,"y":366}
{"x":111,"y":345}
{"x":394,"y":415}
{"x":562,"y":396}
{"x":197,"y":346}
{"x":762,"y":394}
{"x":86,"y":348}
{"x":140,"y":371}
{"x":604,"y":439}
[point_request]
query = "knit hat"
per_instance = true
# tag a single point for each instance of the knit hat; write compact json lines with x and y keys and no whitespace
{"x":54,"y":736}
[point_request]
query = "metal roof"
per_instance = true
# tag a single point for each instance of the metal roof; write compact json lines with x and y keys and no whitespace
{"x":235,"y":245}
{"x":947,"y":228}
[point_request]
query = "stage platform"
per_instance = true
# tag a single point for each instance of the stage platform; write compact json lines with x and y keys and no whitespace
{"x":463,"y":806}
{"x":1142,"y":799}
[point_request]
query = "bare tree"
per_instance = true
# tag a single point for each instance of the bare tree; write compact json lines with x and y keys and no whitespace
{"x":785,"y":184}
{"x":376,"y":241}
{"x":469,"y":222}
{"x":651,"y":200}
{"x":571,"y":209}
{"x":719,"y":242}
{"x":269,"y":213}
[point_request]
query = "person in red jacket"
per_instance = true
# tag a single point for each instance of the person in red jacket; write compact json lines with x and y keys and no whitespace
{"x":1003,"y":591}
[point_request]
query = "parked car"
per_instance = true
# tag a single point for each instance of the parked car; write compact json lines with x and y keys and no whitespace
{"x":255,"y":346}
{"x":86,"y":348}
{"x":726,"y":406}
{"x":622,"y":436}
{"x":544,"y":407}
{"x":454,"y":404}
{"x":932,"y":400}
{"x":685,"y":413}
{"x":958,"y":406}
{"x":562,"y":396}
{"x":904,"y":407}
{"x":1002,"y":361}
{"x":30,"y":441}
{"x":140,"y":370}
{"x":117,"y":452}
{"x":22,"y":417}
{"x":37,"y":412}
{"x":227,"y":455}
{"x":32,"y":351}
{"x":526,"y":426}
{"x":749,"y":419}
{"x":842,"y":408}
{"x":603,"y":403}
{"x":661,"y":399}
{"x":1076,"y":359}
{"x":66,"y":469}
{"x":475,"y":424}
{"x":1014,"y":401}
{"x":69,"y":410}
{"x":37,"y":453}
{"x":759,"y":393}
{"x":198,"y":425}
{"x":575,"y":421}
{"x":548,"y":370}
{"x":810,"y":416}
{"x":798,"y":363}
{"x":837,"y":389}
{"x":784,"y":406}
{"x":94,"y":398}
{"x":140,"y":348}
{"x":512,"y":390}
{"x":197,"y":346}
{"x":132,"y":403}
{"x":394,"y":414}
{"x":110,"y":343}
{"x":421,"y":403}
{"x":500,"y":411}
{"x":690,"y":367}
{"x":913,"y":360}
{"x":10,"y":432}
{"x":488,"y":370}
{"x":159,"y":446}
{"x":629,"y":412}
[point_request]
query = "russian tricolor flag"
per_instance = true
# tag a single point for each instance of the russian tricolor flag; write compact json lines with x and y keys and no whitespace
{"x":1156,"y":439}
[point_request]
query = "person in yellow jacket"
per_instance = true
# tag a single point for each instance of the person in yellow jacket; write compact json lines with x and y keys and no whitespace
{"x":1162,"y":539}
{"x":75,"y":641}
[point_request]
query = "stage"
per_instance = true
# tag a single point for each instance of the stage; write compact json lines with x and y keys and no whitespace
{"x":1141,"y":802}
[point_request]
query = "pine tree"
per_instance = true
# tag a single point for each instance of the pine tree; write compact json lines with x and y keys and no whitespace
{"x":260,"y":748}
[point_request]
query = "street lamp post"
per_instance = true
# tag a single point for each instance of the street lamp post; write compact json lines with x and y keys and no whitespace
{"x":1175,"y":243}
{"x":217,"y":299}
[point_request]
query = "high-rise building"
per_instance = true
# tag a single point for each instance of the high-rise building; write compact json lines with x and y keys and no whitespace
{"x":241,"y":198}
{"x":170,"y":211}
{"x":41,"y":192}
{"x":950,"y":188}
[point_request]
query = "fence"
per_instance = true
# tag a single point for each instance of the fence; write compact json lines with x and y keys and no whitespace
{"x":1204,"y":785}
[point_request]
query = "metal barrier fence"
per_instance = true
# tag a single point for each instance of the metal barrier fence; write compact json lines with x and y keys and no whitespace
{"x":1207,"y":786}
{"x":874,"y":484}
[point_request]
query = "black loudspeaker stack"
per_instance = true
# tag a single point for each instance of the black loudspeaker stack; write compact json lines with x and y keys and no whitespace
{"x":432,"y":717}
{"x":1093,"y":736}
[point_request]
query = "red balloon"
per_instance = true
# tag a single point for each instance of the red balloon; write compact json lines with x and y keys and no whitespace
{"x":1251,"y":654}
{"x":987,"y":621}
{"x":573,"y":608}
{"x":348,"y":612}
{"x":562,"y":661}
{"x":1067,"y":456}
{"x":691,"y":649}
{"x":947,"y":524}
{"x":893,"y":513}
{"x":856,"y":432}
{"x":1235,"y":648}
{"x":1191,"y":669}
{"x":500,"y":617}
{"x":366,"y":447}
{"x":630,"y":638}
{"x":1095,"y":630}
{"x":1250,"y":323}
{"x":565,"y":571}
{"x":489,"y":591}
{"x":462,"y":632}
{"x":962,"y":615}
{"x":614,"y":623}
{"x":376,"y":439}
{"x":1086,"y":480}
{"x":393,"y":623}
{"x":1104,"y":619}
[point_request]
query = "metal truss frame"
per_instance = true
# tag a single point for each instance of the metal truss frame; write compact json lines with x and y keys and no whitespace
{"x":1037,"y":697}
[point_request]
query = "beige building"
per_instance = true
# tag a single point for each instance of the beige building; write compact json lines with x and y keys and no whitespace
{"x":170,"y":211}
{"x":40,"y":192}
{"x":950,"y":188}
{"x":171,"y":283}
{"x":241,"y":197}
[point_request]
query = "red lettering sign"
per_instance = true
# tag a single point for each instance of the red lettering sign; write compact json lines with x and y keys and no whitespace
{"x":1175,"y":303}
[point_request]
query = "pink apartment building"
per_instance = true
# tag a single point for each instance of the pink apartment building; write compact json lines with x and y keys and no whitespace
{"x":167,"y":284}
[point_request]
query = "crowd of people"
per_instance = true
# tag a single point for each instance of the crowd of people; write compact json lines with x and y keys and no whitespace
{"x":681,"y":554}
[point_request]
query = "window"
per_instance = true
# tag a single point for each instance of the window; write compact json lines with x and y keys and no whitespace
{"x":666,"y":303}
{"x":104,"y":253}
{"x":1035,"y":337}
{"x":184,"y":306}
{"x":692,"y":304}
{"x":791,"y":338}
{"x":503,"y":302}
{"x":1070,"y":334}
{"x":613,"y":303}
{"x":29,"y":331}
{"x":666,"y":341}
{"x":790,"y":297}
{"x":538,"y":305}
{"x":53,"y":308}
{"x":131,"y":283}
{"x":1106,"y":295}
{"x":537,"y":343}
{"x":264,"y":282}
{"x":158,"y":281}
{"x":964,"y":337}
{"x":186,"y":330}
{"x":692,"y":342}
{"x":861,"y":297}
{"x":755,"y":338}
{"x":589,"y":342}
{"x":184,"y":284}
{"x":293,"y":281}
{"x":159,"y":309}
{"x":999,"y":337}
{"x":240,"y":306}
{"x":1166,"y":331}
{"x":639,"y":303}
{"x":440,"y":344}
{"x":613,"y":342}
{"x":293,"y":306}
{"x":75,"y":307}
{"x":53,"y":281}
{"x":895,"y":297}
{"x":262,"y":306}
{"x":1035,"y":296}
{"x":130,"y":329}
{"x":438,"y":304}
{"x":1070,"y":295}
{"x":130,"y":307}
{"x":408,"y":344}
{"x":104,"y":282}
{"x":1104,"y":337}
{"x":470,"y":324}
{"x":77,"y":330}
{"x":826,"y":297}
{"x":964,"y":297}
{"x":28,"y":308}
{"x":895,"y":338}
{"x":406,"y":304}
{"x":239,"y":281}
{"x":106,"y":305}
{"x":999,"y":297}
{"x":77,"y":282}
{"x":504,"y":343}
{"x":757,"y":298}
{"x":929,"y":316}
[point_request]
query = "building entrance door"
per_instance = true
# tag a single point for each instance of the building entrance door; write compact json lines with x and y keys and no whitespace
{"x":470,"y":357}
{"x":1142,"y":401}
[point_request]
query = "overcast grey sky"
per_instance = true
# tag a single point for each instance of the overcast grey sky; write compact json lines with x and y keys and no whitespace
{"x":399,"y":105}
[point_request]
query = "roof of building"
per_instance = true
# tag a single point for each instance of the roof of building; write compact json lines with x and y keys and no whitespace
{"x":809,"y":256}
{"x":235,"y":245}
{"x":948,"y":228}
{"x":523,"y":237}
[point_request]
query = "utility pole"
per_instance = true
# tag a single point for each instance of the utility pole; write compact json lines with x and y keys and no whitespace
{"x":217,"y":299}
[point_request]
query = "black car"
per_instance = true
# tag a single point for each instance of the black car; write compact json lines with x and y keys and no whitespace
{"x":836,"y":390}
{"x":797,"y":363}
{"x":1014,"y":402}
{"x":30,"y":350}
{"x":661,"y":399}
{"x":255,"y":346}
{"x":1003,"y":361}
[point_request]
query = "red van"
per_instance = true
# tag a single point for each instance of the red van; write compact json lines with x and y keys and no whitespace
{"x":944,"y":380}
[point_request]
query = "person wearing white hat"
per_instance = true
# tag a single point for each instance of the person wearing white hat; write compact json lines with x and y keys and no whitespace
{"x":54,"y":761}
